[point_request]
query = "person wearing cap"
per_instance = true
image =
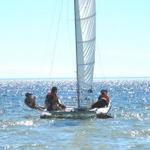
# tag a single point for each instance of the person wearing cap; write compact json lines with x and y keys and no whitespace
{"x":30,"y":100}
{"x":103,"y":100}
{"x":52,"y":102}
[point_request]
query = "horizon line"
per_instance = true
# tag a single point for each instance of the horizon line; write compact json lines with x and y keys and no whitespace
{"x":50,"y":78}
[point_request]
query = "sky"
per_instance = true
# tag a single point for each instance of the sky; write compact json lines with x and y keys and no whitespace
{"x":37,"y":38}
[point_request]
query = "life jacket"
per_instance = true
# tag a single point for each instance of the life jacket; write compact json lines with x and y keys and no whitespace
{"x":105,"y":98}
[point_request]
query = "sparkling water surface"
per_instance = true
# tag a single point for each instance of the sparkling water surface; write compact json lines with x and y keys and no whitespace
{"x":22,"y":129}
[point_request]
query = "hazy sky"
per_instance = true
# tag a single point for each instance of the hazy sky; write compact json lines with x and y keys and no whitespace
{"x":37,"y":38}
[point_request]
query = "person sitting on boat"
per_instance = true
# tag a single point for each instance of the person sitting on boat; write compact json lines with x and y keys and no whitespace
{"x":52,"y":102}
{"x":30,"y":101}
{"x":103,"y":100}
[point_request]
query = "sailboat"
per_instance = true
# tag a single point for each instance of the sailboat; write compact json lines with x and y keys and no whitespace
{"x":85,"y":39}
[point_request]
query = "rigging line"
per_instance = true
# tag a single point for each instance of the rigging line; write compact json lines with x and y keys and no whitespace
{"x":50,"y":23}
{"x":99,"y":57}
{"x":51,"y":26}
{"x":69,"y":39}
{"x":56,"y":38}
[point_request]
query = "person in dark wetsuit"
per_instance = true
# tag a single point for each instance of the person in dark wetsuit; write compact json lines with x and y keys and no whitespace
{"x":30,"y":101}
{"x":52,"y":102}
{"x":103,"y":100}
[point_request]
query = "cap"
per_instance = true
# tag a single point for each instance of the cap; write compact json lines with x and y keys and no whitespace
{"x":54,"y":88}
{"x":104,"y":91}
{"x":28,"y":94}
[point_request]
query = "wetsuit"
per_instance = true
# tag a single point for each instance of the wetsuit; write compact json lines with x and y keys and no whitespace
{"x":52,"y":102}
{"x":30,"y":102}
{"x":48,"y":102}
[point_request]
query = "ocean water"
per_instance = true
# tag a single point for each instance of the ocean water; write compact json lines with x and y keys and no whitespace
{"x":22,"y":129}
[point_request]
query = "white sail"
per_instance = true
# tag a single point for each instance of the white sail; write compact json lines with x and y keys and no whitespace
{"x":85,"y":31}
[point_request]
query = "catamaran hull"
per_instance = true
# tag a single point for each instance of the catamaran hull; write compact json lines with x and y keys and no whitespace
{"x":67,"y":115}
{"x":77,"y":114}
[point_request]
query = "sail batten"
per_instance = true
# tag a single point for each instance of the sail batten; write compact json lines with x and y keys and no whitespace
{"x":90,"y":40}
{"x":85,"y":18}
{"x":85,"y":30}
{"x":91,"y":63}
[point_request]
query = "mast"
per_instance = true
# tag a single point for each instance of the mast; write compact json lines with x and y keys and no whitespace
{"x":85,"y":35}
{"x":78,"y":86}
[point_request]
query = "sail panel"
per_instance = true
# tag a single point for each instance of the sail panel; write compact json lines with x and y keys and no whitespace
{"x":85,"y":20}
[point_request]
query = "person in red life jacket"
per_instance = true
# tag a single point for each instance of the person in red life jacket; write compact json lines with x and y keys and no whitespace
{"x":52,"y":102}
{"x":103,"y":100}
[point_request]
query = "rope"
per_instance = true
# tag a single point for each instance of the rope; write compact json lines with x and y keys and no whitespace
{"x":56,"y":39}
{"x":100,"y":61}
{"x":69,"y":39}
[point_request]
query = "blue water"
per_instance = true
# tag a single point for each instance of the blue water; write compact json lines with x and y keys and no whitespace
{"x":22,"y":129}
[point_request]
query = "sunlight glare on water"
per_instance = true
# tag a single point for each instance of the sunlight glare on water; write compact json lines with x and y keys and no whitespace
{"x":21,"y":128}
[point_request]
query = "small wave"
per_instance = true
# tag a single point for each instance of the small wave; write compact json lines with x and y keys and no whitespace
{"x":33,"y":146}
{"x":24,"y":146}
{"x":140,"y":133}
{"x":7,"y":124}
{"x":6,"y":147}
{"x":147,"y":107}
{"x":25,"y":123}
{"x":2,"y":111}
{"x":137,"y":116}
{"x":132,"y":115}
